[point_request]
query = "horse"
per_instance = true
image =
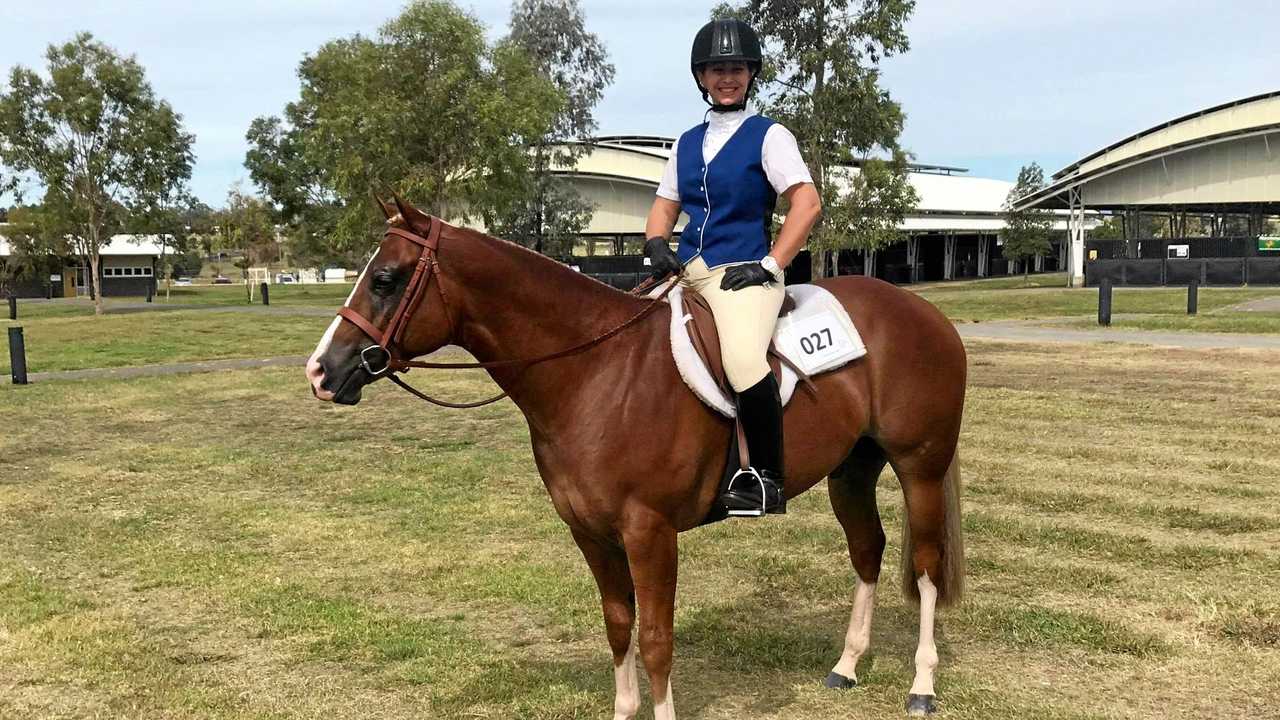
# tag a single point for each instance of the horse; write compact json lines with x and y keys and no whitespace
{"x":631,"y":457}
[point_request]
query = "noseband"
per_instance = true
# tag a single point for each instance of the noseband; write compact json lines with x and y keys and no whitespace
{"x":382,"y":357}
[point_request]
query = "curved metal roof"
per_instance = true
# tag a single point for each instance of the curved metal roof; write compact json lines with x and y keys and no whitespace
{"x":1222,"y":119}
{"x":1216,"y":159}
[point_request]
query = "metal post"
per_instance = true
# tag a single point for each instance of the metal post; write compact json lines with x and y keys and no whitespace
{"x":1104,"y":302}
{"x":1193,"y":297}
{"x":13,"y":307}
{"x":17,"y":356}
{"x":266,"y":299}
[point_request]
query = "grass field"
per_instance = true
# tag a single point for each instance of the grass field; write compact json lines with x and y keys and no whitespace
{"x":974,"y":302}
{"x":67,"y":336}
{"x":226,"y":547}
{"x":322,"y":295}
{"x":85,"y":341}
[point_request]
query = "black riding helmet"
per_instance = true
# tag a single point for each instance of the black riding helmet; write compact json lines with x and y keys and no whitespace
{"x":726,"y":41}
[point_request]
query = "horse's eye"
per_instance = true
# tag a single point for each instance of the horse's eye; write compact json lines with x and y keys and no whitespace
{"x":384,"y":283}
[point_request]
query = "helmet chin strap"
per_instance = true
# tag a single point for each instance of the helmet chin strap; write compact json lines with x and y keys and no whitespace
{"x":717,"y":107}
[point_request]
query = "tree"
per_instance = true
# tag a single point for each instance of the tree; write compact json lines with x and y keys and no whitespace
{"x":37,"y":242}
{"x":1026,"y":232}
{"x":552,"y":33}
{"x":245,"y":229}
{"x":95,"y":135}
{"x":1111,"y":228}
{"x":426,"y":108}
{"x":821,"y":79}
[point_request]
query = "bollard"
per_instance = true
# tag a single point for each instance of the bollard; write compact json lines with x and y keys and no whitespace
{"x":17,"y":356}
{"x":266,"y":297}
{"x":1104,"y":302}
{"x":1193,"y":297}
{"x":13,"y":307}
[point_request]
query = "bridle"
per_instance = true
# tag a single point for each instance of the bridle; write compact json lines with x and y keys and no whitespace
{"x":383,"y":358}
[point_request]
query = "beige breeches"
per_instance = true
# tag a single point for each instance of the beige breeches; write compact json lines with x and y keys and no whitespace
{"x":744,"y":320}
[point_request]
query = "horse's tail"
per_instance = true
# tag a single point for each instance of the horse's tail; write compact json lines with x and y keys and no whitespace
{"x":950,"y":582}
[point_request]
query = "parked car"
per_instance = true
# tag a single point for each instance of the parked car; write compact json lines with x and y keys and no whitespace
{"x":285,"y":278}
{"x":184,"y":281}
{"x":222,"y":280}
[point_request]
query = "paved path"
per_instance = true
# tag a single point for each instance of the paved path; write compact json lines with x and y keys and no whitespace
{"x":1018,"y":332}
{"x":129,"y":308}
{"x":170,"y":369}
{"x":1267,"y":304}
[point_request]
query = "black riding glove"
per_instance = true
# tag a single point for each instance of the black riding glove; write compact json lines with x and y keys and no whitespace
{"x":661,"y":260}
{"x":745,"y":275}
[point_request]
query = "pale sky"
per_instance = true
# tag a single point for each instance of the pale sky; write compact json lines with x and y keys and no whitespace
{"x":988,"y":84}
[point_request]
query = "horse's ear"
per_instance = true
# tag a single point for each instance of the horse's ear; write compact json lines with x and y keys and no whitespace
{"x":414,"y":217}
{"x":388,"y":210}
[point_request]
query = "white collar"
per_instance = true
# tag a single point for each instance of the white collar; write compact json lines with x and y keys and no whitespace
{"x":725,"y":120}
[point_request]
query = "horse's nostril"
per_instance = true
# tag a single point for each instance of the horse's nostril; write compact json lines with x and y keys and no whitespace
{"x":315,"y":377}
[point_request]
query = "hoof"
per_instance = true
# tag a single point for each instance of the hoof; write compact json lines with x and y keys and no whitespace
{"x":920,"y":705}
{"x":836,"y":681}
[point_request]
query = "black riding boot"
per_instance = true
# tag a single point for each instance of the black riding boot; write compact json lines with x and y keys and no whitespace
{"x":758,"y":489}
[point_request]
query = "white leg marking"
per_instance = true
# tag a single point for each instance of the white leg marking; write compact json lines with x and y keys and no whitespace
{"x":626,"y":683}
{"x":858,"y":638}
{"x":927,"y":652}
{"x":665,"y":709}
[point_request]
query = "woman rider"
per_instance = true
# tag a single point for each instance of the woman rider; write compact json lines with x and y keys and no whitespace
{"x":726,"y":174}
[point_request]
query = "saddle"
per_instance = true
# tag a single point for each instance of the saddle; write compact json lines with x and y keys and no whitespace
{"x":814,"y":334}
{"x":701,"y":325}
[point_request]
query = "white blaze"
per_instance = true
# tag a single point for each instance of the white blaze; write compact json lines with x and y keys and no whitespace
{"x":315,"y":373}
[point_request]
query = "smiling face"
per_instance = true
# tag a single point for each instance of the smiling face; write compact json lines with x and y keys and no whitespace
{"x":725,"y":82}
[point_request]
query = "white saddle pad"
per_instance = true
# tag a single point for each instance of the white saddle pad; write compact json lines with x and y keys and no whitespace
{"x":817,"y":336}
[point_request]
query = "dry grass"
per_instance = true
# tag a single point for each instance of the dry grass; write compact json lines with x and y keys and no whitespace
{"x":250,"y":553}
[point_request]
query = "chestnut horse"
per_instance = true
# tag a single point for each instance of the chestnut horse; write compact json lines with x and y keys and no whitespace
{"x":631,"y":457}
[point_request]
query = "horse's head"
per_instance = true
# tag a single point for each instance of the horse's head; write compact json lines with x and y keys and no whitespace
{"x":395,"y":310}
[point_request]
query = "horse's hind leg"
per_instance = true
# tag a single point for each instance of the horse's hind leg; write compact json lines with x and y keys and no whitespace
{"x":852,"y":487}
{"x":617,"y":596}
{"x":933,"y":553}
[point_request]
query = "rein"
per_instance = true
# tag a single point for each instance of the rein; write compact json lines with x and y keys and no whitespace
{"x":390,"y":363}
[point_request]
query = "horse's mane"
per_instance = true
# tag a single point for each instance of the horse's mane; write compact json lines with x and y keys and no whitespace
{"x":557,"y":272}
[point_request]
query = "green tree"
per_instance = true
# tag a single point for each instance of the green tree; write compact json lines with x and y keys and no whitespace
{"x":95,"y":135}
{"x":1026,"y":232}
{"x":822,"y":80}
{"x":1111,"y":228}
{"x":38,"y":244}
{"x":425,"y":108}
{"x":246,"y":230}
{"x":553,"y":34}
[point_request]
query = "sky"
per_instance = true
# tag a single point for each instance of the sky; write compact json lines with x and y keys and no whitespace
{"x":988,"y":85}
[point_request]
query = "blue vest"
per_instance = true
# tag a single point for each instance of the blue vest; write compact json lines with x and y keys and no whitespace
{"x":729,"y":201}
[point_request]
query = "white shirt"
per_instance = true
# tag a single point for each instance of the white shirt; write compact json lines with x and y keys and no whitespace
{"x":779,"y":154}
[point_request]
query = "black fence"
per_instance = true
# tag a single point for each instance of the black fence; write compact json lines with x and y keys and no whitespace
{"x":1206,"y":271}
{"x":625,"y":272}
{"x":620,"y":271}
{"x":1158,"y":248}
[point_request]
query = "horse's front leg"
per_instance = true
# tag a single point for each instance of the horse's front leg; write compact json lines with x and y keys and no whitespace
{"x":651,"y":550}
{"x":617,"y":596}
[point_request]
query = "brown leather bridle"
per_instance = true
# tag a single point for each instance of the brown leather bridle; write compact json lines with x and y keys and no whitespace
{"x":428,"y":266}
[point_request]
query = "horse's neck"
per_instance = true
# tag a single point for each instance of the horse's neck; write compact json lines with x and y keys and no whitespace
{"x":517,"y":304}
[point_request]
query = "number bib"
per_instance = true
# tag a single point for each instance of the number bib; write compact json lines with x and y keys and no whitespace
{"x":818,"y":341}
